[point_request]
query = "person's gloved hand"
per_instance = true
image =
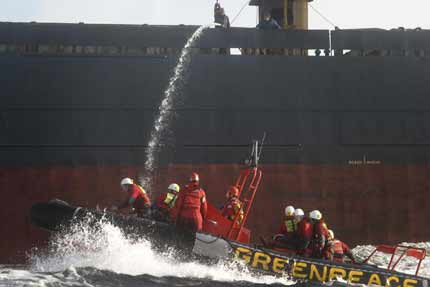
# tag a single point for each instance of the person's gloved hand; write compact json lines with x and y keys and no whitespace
{"x":277,"y":237}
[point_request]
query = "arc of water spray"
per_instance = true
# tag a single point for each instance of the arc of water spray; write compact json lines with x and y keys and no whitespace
{"x":165,"y":110}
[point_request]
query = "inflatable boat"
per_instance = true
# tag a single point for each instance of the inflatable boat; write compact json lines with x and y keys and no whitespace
{"x":224,"y":239}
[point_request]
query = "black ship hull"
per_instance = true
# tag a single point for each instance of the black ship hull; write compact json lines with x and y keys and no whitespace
{"x":347,"y":135}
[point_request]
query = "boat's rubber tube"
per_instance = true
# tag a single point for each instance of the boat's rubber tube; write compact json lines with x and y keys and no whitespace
{"x":52,"y":215}
{"x":57,"y":215}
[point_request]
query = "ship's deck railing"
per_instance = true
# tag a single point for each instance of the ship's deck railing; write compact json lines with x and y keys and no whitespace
{"x":140,"y":40}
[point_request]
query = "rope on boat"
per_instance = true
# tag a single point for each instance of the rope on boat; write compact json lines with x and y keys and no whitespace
{"x":323,"y":17}
{"x":240,"y":11}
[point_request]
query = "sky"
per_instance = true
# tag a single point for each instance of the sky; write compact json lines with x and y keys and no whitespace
{"x":343,"y":13}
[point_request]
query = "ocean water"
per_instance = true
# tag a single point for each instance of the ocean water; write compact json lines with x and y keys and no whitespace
{"x":103,"y":256}
{"x":90,"y":276}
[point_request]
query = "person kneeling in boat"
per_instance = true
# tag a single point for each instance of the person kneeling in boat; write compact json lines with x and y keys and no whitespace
{"x":191,"y":206}
{"x":300,"y":240}
{"x":337,"y":250}
{"x":233,"y":206}
{"x":319,"y":234}
{"x":138,"y":199}
{"x":303,"y":233}
{"x":163,"y":206}
{"x":287,"y":231}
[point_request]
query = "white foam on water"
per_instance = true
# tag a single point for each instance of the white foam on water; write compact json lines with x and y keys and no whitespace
{"x":165,"y":110}
{"x":106,"y":248}
{"x":407,"y":265}
{"x":21,"y":277}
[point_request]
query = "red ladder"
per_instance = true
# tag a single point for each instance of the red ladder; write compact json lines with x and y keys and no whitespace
{"x":247,"y":183}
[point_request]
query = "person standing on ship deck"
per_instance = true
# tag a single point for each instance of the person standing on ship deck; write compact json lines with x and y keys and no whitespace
{"x":223,"y":22}
{"x":268,"y":23}
{"x":220,"y":17}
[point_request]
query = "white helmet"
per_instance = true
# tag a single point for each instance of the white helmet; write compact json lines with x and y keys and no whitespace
{"x":315,"y":214}
{"x":126,"y":181}
{"x":331,"y":234}
{"x":289,"y":210}
{"x":174,"y":187}
{"x":299,"y":212}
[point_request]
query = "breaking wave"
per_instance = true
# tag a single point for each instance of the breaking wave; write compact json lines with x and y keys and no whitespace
{"x":104,"y":248}
{"x":102,"y":255}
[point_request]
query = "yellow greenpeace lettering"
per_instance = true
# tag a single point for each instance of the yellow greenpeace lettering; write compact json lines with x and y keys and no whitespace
{"x":336,"y":272}
{"x":244,"y":254}
{"x":263,"y":259}
{"x":314,"y":273}
{"x":298,"y":270}
{"x":410,"y":283}
{"x":279,"y":265}
{"x":374,"y":279}
{"x":320,"y":272}
{"x":392,"y":279}
{"x":355,"y":276}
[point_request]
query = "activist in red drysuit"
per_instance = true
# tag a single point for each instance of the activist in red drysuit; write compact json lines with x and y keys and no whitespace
{"x":320,"y":235}
{"x":340,"y":250}
{"x":191,"y":206}
{"x":319,"y":239}
{"x":165,"y":203}
{"x":288,"y":226}
{"x":286,"y":237}
{"x":304,"y":236}
{"x":233,"y":206}
{"x":137,"y":198}
{"x":336,"y":250}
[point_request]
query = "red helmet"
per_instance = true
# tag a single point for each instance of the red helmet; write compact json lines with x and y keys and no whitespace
{"x":233,"y":191}
{"x":194,"y":177}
